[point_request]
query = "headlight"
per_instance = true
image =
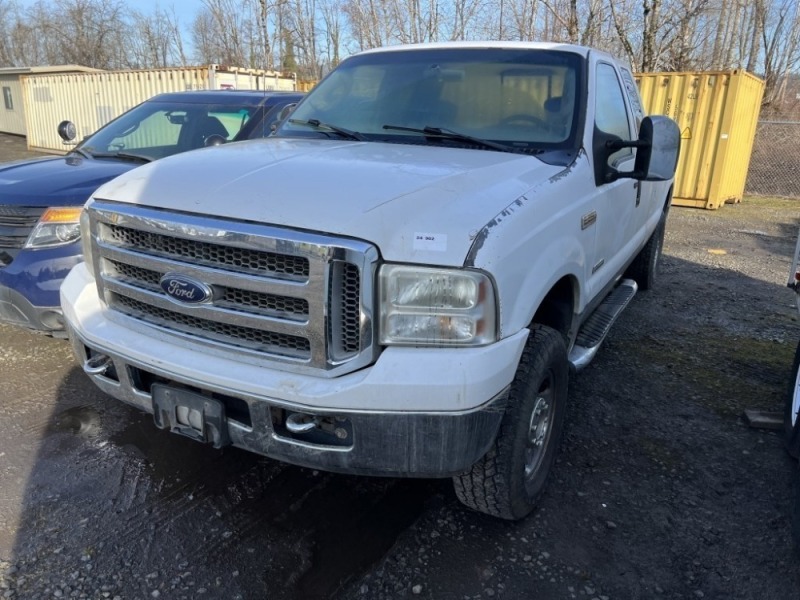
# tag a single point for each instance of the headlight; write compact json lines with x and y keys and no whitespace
{"x":56,"y":227}
{"x":436,"y":307}
{"x":86,"y":239}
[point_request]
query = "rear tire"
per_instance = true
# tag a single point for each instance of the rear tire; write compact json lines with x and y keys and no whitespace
{"x":791,"y":420}
{"x":645,"y":267}
{"x":509,"y":480}
{"x":796,"y":511}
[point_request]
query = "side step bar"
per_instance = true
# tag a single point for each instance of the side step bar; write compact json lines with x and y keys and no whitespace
{"x":597,"y":326}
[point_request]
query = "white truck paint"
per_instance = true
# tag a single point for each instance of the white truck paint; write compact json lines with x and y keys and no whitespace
{"x":791,"y":422}
{"x":397,"y":282}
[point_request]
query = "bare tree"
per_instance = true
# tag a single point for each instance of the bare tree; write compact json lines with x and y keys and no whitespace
{"x":155,"y":40}
{"x":370,"y":22}
{"x":221,"y":29}
{"x":463,"y":18}
{"x":780,"y":36}
{"x":302,"y":22}
{"x":84,"y":32}
{"x":333,"y":31}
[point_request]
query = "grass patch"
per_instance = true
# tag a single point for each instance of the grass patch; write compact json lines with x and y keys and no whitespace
{"x":772,"y":202}
{"x":728,"y":374}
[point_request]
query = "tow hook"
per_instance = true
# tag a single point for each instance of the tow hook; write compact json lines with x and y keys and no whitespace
{"x":97,"y":364}
{"x":301,"y":423}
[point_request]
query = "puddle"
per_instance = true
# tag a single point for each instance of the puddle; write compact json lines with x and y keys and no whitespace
{"x":79,"y":420}
{"x":290,"y":531}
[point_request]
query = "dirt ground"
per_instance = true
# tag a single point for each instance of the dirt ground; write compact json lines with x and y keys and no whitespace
{"x":661,"y":489}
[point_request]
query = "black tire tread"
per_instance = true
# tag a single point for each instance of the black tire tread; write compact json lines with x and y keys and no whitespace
{"x":489,"y":487}
{"x":792,"y":434}
{"x":642,"y":269}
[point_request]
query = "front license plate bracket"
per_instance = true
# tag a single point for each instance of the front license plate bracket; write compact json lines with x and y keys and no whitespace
{"x":189,"y":414}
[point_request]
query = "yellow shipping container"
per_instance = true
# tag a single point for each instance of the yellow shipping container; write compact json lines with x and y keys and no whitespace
{"x":717,"y":113}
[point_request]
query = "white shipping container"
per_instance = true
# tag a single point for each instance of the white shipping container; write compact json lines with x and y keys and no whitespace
{"x":90,"y":100}
{"x":12,"y":108}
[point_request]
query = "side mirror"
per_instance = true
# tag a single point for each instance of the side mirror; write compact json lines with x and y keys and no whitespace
{"x":67,"y":131}
{"x":658,"y":159}
{"x":214,"y":140}
{"x":283,"y":114}
{"x":657,"y":152}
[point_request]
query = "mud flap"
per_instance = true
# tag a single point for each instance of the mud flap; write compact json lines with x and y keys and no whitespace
{"x":192,"y":415}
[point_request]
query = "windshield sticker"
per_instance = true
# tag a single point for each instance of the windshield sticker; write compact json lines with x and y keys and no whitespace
{"x":432,"y":242}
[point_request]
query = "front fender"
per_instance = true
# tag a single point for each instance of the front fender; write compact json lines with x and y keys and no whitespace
{"x":536,"y":241}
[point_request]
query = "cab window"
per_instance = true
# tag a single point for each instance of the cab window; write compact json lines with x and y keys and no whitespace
{"x":610,"y":113}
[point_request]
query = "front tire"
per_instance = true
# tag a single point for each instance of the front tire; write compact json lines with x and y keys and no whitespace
{"x":509,"y":480}
{"x":791,"y":420}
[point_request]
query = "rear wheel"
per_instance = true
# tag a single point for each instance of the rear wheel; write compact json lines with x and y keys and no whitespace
{"x":791,"y":420}
{"x":644,"y":268}
{"x":796,"y":512}
{"x":508,"y":481}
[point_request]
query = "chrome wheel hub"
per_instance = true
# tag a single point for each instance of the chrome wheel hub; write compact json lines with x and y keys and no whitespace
{"x":796,"y":398}
{"x":539,"y":429}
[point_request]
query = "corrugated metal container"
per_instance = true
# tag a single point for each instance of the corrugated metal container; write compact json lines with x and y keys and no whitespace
{"x":91,"y":100}
{"x":12,"y":107}
{"x":12,"y":111}
{"x":306,"y":85}
{"x":717,"y":113}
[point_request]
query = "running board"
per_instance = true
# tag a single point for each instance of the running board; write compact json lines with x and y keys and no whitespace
{"x":597,"y":326}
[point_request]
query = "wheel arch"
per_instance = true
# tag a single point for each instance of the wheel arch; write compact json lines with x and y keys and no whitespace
{"x":557,"y":308}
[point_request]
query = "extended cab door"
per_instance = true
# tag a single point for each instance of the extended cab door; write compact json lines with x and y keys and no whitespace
{"x":619,"y":203}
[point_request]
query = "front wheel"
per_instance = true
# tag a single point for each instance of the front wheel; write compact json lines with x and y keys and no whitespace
{"x":791,"y":420}
{"x":508,"y":481}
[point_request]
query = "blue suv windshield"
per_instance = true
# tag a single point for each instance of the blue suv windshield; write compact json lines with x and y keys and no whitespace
{"x":155,"y":129}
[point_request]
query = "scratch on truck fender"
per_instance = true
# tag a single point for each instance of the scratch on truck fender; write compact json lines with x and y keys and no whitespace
{"x":479,"y":239}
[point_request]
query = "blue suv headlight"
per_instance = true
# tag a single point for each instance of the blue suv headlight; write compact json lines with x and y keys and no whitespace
{"x":56,"y":227}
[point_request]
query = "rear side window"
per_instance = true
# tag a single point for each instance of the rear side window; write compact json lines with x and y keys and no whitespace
{"x":610,"y":113}
{"x":633,"y":95}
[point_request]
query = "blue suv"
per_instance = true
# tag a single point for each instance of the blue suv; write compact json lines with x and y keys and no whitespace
{"x":41,"y":199}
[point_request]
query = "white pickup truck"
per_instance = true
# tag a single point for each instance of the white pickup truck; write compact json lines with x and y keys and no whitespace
{"x":399,"y":281}
{"x":791,"y":412}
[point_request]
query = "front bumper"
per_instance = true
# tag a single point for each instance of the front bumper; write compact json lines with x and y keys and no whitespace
{"x":415,"y":412}
{"x":29,"y":287}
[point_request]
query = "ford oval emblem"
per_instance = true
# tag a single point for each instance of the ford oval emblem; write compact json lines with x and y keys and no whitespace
{"x":185,"y":290}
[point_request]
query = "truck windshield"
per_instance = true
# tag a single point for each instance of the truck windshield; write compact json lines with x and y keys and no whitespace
{"x":522,"y":98}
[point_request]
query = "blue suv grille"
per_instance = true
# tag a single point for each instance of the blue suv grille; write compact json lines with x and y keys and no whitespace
{"x":16,"y":224}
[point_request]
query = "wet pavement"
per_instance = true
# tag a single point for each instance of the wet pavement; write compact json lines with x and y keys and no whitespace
{"x":14,"y":147}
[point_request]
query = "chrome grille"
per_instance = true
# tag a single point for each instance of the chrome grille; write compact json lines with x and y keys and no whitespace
{"x":295,"y":300}
{"x":344,"y":291}
{"x":238,"y":259}
{"x":245,"y":337}
{"x":227,"y":297}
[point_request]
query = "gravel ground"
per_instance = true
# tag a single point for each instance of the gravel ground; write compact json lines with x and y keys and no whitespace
{"x":661,"y":489}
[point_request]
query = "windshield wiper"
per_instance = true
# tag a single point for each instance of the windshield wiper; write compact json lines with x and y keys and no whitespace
{"x":122,"y":155}
{"x":316,"y":124}
{"x":447,"y":134}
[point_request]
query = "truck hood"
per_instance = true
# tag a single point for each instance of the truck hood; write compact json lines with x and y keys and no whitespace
{"x":417,"y":203}
{"x":57,"y":181}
